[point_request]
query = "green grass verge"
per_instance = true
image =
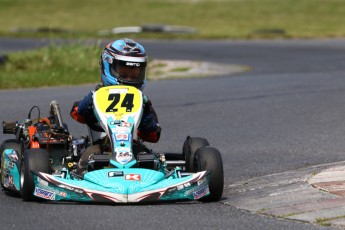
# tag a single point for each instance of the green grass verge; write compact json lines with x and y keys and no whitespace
{"x":235,"y":19}
{"x":212,"y":18}
{"x":60,"y":65}
{"x":51,"y":66}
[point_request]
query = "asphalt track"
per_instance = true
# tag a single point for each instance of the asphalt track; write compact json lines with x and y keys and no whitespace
{"x":285,"y":114}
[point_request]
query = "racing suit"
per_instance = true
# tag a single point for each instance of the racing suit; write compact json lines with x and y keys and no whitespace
{"x":82,"y":111}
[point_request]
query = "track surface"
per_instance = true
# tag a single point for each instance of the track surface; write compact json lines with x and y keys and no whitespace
{"x":286,"y":113}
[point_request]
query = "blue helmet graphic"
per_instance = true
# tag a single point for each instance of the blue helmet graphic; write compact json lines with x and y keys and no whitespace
{"x":124,"y":61}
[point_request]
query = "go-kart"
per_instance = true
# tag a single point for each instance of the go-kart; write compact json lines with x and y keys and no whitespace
{"x":40,"y":161}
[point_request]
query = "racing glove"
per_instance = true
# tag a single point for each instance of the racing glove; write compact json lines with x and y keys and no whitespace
{"x":75,"y":115}
{"x":82,"y":110}
{"x":149,"y":129}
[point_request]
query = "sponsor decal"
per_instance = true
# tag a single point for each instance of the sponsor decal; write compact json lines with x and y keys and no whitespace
{"x":126,"y":124}
{"x":194,"y":189}
{"x":10,"y":165}
{"x":173,"y":189}
{"x":45,"y":194}
{"x":123,"y":156}
{"x":135,"y":177}
{"x":133,"y":64}
{"x":70,"y":188}
{"x":121,"y":129}
{"x":121,"y":136}
{"x":10,"y":180}
{"x":118,"y":91}
{"x":180,"y":187}
{"x":186,"y":185}
{"x":63,"y":194}
{"x":115,"y":173}
{"x":200,"y":193}
{"x":78,"y":190}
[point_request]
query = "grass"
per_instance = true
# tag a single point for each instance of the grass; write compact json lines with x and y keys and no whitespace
{"x":327,"y":221}
{"x":61,"y":65}
{"x":180,"y":69}
{"x":50,"y":66}
{"x":212,"y":18}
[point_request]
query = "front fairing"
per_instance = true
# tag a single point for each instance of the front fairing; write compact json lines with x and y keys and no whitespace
{"x":122,"y":186}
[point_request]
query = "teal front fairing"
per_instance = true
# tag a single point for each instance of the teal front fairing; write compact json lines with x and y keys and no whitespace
{"x":123,"y":186}
{"x":121,"y":136}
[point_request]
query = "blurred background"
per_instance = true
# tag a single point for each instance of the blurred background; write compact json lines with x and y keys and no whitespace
{"x":98,"y":21}
{"x":214,"y":19}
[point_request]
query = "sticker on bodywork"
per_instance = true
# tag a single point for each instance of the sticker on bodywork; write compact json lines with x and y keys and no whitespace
{"x":115,"y":173}
{"x":135,"y":177}
{"x":45,"y":194}
{"x":200,"y":193}
{"x":123,"y":156}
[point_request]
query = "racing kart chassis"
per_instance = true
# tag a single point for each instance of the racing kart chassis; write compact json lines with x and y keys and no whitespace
{"x":40,"y":161}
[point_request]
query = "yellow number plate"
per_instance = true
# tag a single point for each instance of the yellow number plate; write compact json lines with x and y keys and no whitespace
{"x":118,"y":100}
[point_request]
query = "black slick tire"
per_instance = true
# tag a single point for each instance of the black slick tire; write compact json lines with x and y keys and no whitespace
{"x":190,"y":146}
{"x":33,"y":160}
{"x":209,"y":158}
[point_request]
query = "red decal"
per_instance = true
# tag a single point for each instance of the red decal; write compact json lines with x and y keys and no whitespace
{"x":10,"y":180}
{"x":133,"y":177}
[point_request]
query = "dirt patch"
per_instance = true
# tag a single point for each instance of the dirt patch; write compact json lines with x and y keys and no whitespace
{"x":167,"y":69}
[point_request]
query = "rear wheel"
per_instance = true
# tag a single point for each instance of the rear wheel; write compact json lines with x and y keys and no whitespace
{"x":190,"y":146}
{"x":34,"y":160}
{"x":9,"y":144}
{"x":209,"y":158}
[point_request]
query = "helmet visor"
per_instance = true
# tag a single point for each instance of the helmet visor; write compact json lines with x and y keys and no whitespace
{"x":127,"y":72}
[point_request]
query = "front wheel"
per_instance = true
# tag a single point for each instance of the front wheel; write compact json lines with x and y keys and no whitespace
{"x":190,"y":146}
{"x":209,"y":158}
{"x":34,"y":160}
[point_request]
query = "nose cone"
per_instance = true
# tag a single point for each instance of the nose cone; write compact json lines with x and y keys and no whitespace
{"x":124,"y":180}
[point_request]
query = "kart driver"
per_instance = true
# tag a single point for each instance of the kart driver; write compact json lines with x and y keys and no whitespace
{"x":116,"y":65}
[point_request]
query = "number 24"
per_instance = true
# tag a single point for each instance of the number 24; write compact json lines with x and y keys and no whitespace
{"x":126,"y":103}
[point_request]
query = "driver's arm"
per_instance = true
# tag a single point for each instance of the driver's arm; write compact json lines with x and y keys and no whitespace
{"x":82,"y":110}
{"x":149,"y":129}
